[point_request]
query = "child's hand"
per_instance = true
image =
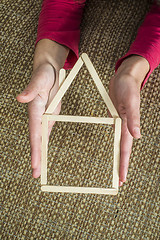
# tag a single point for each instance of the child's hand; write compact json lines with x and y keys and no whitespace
{"x":124,"y":91}
{"x":49,"y":58}
{"x":41,"y":89}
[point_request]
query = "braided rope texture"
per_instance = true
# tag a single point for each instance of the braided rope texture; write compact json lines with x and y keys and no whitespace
{"x":79,"y":154}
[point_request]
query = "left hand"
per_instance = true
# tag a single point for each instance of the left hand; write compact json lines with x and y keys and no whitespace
{"x":124,"y":91}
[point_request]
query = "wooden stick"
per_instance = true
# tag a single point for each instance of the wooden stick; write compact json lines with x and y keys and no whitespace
{"x":99,"y":85}
{"x":44,"y":149}
{"x":82,"y":119}
{"x":48,"y":188}
{"x":62,"y":75}
{"x":65,"y":86}
{"x":116,"y":161}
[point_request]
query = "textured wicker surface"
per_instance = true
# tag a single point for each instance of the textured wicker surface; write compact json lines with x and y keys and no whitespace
{"x":80,"y":154}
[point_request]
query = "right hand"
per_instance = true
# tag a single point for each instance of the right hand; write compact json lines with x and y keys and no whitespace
{"x":40,"y":91}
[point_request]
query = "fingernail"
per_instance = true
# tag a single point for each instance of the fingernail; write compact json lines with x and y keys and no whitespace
{"x":137,"y":132}
{"x":120,"y":183}
{"x":24,"y":93}
{"x":35,"y":173}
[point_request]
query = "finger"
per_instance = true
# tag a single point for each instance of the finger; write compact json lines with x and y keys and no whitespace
{"x":35,"y":142}
{"x":133,"y":115}
{"x":51,"y":123}
{"x":29,"y":93}
{"x":35,"y":113}
{"x":126,"y":147}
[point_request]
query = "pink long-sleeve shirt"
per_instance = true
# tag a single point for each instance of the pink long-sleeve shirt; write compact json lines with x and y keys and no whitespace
{"x":60,"y":20}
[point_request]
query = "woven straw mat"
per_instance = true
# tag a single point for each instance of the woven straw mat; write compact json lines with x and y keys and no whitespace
{"x":79,"y":154}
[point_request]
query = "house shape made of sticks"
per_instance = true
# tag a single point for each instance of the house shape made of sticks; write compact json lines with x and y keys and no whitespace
{"x":48,"y":116}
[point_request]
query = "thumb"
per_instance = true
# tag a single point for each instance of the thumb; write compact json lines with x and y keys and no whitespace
{"x":133,"y":116}
{"x":28,"y":94}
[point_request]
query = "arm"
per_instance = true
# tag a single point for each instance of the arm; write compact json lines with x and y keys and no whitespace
{"x":147,"y":42}
{"x":60,"y":21}
{"x":132,"y":71}
{"x":57,"y":40}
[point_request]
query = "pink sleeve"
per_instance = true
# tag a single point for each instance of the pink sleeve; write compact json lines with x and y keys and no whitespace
{"x":147,"y":42}
{"x":59,"y":21}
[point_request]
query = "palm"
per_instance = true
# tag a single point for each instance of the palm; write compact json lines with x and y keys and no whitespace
{"x":124,"y":93}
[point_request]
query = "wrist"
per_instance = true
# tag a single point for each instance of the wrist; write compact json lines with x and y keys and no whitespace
{"x":48,"y":51}
{"x":135,"y":66}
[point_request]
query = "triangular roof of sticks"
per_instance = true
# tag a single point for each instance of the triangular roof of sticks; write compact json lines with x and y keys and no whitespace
{"x":84,"y":59}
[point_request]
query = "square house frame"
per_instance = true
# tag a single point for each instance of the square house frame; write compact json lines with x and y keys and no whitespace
{"x":48,"y":116}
